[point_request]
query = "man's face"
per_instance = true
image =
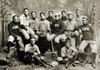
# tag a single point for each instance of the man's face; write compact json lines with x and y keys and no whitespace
{"x":50,"y":14}
{"x":26,"y":12}
{"x":78,"y":12}
{"x":63,"y":14}
{"x":70,"y":16}
{"x":16,"y":19}
{"x":84,"y":21}
{"x":67,"y":44}
{"x":42,"y":16}
{"x":32,"y":41}
{"x":57,"y":17}
{"x":33,"y":15}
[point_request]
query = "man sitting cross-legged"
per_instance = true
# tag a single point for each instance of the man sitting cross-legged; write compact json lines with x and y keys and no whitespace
{"x":32,"y":54}
{"x":68,"y":54}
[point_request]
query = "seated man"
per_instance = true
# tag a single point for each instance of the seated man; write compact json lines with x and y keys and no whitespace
{"x":32,"y":53}
{"x":44,"y":33}
{"x":14,"y":36}
{"x":57,"y":30}
{"x":88,"y":39}
{"x":68,"y":54}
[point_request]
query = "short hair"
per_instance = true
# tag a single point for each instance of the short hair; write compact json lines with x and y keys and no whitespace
{"x":25,"y":9}
{"x":78,"y":9}
{"x":14,"y":17}
{"x":85,"y":17}
{"x":42,"y":13}
{"x":50,"y":11}
{"x":63,"y":11}
{"x":33,"y":12}
{"x":32,"y":39}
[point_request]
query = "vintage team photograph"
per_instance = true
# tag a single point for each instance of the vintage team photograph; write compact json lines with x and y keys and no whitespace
{"x":49,"y":35}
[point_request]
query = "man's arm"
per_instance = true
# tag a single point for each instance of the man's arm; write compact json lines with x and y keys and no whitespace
{"x":63,"y":52}
{"x":10,"y":30}
{"x":38,"y":51}
{"x":93,"y":32}
{"x":21,"y":20}
{"x":75,"y":51}
{"x":48,"y":26}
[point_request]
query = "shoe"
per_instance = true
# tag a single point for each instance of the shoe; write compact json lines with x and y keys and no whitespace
{"x":93,"y":65}
{"x":74,"y":65}
{"x":67,"y":65}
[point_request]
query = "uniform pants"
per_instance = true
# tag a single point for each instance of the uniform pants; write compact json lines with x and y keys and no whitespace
{"x":84,"y":44}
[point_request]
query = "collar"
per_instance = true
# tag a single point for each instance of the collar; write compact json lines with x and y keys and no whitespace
{"x":34,"y":18}
{"x":64,"y":18}
{"x":43,"y":19}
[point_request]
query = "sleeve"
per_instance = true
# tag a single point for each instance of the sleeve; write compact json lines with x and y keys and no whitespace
{"x":52,"y":27}
{"x":74,"y":49}
{"x":38,"y":51}
{"x":21,"y":20}
{"x":37,"y":24}
{"x":48,"y":26}
{"x":63,"y":52}
{"x":93,"y":32}
{"x":26,"y":48}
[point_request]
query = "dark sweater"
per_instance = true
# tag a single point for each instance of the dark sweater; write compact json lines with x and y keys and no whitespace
{"x":63,"y":18}
{"x":13,"y":28}
{"x":87,"y":32}
{"x":50,"y":19}
{"x":57,"y":27}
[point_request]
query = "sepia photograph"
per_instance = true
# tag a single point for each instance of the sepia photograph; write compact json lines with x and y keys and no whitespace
{"x":49,"y":35}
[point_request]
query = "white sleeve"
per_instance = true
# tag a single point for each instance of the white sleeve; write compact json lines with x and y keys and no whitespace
{"x":26,"y":48}
{"x":21,"y":20}
{"x":38,"y":51}
{"x":48,"y":25}
{"x":63,"y":52}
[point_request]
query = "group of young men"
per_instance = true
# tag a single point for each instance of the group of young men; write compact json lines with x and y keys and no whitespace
{"x":66,"y":33}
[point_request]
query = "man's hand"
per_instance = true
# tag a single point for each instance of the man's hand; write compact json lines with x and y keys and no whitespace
{"x":33,"y":56}
{"x":93,"y":42}
{"x":17,"y":37}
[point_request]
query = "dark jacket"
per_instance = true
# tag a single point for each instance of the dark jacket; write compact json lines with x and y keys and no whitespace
{"x":57,"y":27}
{"x":63,"y":18}
{"x":87,"y":32}
{"x":13,"y":28}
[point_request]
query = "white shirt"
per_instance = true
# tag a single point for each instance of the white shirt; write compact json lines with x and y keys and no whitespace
{"x":69,"y":51}
{"x":30,"y":48}
{"x":24,"y":20}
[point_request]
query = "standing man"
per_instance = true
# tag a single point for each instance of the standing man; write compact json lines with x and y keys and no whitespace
{"x":64,"y":17}
{"x":69,"y":28}
{"x":79,"y":23}
{"x":24,"y":22}
{"x":50,"y":17}
{"x":45,"y":25}
{"x":34,"y":22}
{"x":78,"y":17}
{"x":88,"y":39}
